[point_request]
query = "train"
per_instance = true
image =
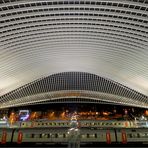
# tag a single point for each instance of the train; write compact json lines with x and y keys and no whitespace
{"x":85,"y":123}
{"x":61,"y":136}
{"x":81,"y":123}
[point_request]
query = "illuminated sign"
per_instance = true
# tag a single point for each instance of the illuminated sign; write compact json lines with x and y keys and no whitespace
{"x":24,"y":115}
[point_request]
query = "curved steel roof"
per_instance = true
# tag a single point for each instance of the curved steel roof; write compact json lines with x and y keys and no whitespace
{"x":107,"y":38}
{"x":78,"y":85}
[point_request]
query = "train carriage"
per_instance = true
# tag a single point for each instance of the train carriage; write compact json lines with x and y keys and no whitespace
{"x":101,"y":135}
{"x":107,"y":124}
{"x":39,"y":135}
{"x":136,"y":135}
{"x":82,"y":123}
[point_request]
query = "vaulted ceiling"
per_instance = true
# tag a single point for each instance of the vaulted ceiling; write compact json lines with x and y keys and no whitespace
{"x":89,"y":50}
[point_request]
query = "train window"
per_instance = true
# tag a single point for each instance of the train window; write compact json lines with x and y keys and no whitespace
{"x":129,"y":135}
{"x":64,"y":135}
{"x":138,"y":135}
{"x":44,"y":135}
{"x":56,"y":135}
{"x":133,"y":135}
{"x":32,"y":135}
{"x":143,"y":135}
{"x":115,"y":123}
{"x":87,"y":135}
{"x":93,"y":136}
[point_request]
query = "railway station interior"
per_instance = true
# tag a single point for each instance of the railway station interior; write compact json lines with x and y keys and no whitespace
{"x":74,"y":73}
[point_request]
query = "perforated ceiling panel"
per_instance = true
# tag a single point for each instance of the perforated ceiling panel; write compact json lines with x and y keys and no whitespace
{"x":108,"y":38}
